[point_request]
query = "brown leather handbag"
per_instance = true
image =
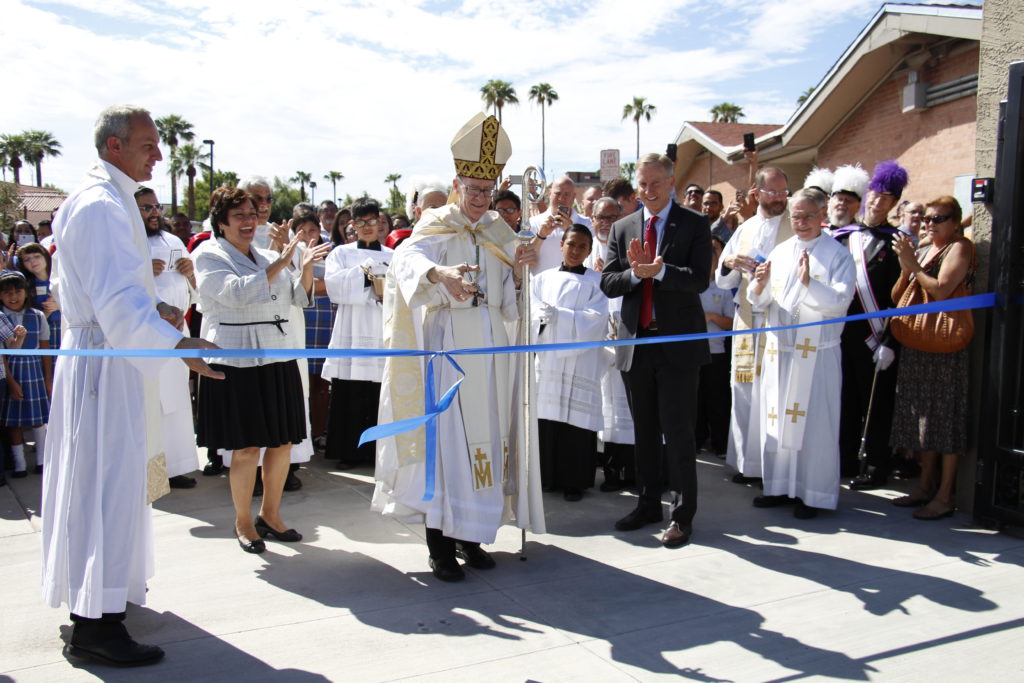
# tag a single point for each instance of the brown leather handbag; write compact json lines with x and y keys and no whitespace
{"x":943,"y":332}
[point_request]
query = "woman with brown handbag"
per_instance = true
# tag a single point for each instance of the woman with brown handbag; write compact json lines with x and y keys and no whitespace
{"x":931,"y":387}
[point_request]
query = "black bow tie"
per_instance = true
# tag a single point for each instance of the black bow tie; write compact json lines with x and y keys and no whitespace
{"x":579,"y":270}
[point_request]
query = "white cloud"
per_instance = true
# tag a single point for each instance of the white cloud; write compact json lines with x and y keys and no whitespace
{"x":372,"y":88}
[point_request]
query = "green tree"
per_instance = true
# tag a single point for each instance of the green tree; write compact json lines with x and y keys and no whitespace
{"x":9,"y":201}
{"x":174,"y":129}
{"x":301,"y":177}
{"x":805,"y":96}
{"x":638,"y":109}
{"x":285,"y":199}
{"x":396,"y":199}
{"x":726,"y":112}
{"x":627,"y":170}
{"x":544,"y":95}
{"x":187,"y":157}
{"x":497,"y":93}
{"x":39,"y":145}
{"x":334,"y":177}
{"x":13,"y":148}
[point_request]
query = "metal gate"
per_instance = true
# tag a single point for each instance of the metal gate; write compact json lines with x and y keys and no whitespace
{"x":1000,"y":486}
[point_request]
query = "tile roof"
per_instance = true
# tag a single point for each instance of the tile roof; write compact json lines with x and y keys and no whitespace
{"x":731,"y":134}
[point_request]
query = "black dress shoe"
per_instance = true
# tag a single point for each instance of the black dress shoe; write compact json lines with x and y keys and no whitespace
{"x":738,"y":478}
{"x":19,"y":474}
{"x":611,"y":484}
{"x":292,"y":483}
{"x":447,"y":570}
{"x":475,"y":556}
{"x":39,"y":469}
{"x":804,"y":511}
{"x":287,"y":536}
{"x":772,"y":501}
{"x":640,"y":517}
{"x":573,"y":495}
{"x":869,"y":481}
{"x":182,"y":482}
{"x":212,"y":469}
{"x":255,"y":547}
{"x":108,"y":642}
{"x":676,"y":536}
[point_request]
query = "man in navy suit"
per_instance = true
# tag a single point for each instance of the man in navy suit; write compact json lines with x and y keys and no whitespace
{"x":659,"y":261}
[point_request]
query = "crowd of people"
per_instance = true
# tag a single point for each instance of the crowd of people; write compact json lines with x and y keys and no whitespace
{"x":791,"y":402}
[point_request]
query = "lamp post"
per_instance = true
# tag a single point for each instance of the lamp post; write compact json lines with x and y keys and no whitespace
{"x":210,"y":143}
{"x":312,"y":192}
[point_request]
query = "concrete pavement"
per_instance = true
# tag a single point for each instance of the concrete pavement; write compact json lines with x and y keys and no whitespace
{"x":866,"y":593}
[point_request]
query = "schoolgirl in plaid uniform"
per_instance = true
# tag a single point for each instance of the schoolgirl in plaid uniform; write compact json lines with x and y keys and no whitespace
{"x":29,"y":378}
{"x":36,"y":264}
{"x":12,"y":336}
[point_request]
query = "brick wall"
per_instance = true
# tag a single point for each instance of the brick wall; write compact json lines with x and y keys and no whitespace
{"x":934,"y":145}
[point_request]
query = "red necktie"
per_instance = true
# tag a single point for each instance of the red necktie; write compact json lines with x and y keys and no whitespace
{"x":647,"y":294}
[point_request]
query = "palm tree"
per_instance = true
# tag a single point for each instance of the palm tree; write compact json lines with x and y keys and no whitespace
{"x":173,"y":129}
{"x":334,"y":177}
{"x":13,"y":148}
{"x":627,"y":170}
{"x":40,"y":144}
{"x":186,"y":158}
{"x":393,"y":178}
{"x":726,"y":112}
{"x":544,"y":95}
{"x":496,"y":93}
{"x":301,"y":177}
{"x":639,"y":108}
{"x":803,"y":97}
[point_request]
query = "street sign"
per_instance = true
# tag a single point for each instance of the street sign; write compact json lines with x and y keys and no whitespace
{"x":609,"y":164}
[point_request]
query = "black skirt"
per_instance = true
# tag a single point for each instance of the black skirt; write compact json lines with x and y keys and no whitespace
{"x":258,"y":406}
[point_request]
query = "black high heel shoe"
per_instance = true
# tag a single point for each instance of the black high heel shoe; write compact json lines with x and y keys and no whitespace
{"x":287,"y":536}
{"x":255,"y":547}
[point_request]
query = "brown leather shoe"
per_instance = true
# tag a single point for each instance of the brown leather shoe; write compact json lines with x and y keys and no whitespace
{"x":676,"y":536}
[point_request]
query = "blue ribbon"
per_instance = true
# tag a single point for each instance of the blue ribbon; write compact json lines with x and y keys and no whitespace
{"x":432,"y":409}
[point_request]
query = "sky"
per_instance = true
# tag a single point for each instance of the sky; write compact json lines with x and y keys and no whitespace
{"x":380,"y":87}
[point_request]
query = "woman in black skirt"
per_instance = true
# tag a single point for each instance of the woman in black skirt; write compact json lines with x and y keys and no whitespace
{"x":246,"y":295}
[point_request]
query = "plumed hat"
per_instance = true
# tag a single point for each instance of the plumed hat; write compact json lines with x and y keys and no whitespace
{"x":481,"y":148}
{"x":819,"y":179}
{"x":889,"y":178}
{"x":851,"y":180}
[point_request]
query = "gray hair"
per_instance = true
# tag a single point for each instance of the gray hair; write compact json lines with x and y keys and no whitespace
{"x":607,"y":200}
{"x":819,"y":198}
{"x":655,"y":159}
{"x":115,"y":121}
{"x":253,"y":181}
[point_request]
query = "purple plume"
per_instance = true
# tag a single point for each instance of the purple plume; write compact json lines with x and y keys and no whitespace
{"x":889,"y":177}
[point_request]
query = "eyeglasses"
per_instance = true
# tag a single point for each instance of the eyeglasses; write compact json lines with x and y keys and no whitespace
{"x":773,"y":193}
{"x":508,"y":210}
{"x":699,"y":193}
{"x":606,"y":217}
{"x":474,"y":191}
{"x":150,"y":208}
{"x":263,"y":200}
{"x":936,"y":220}
{"x":364,"y":223}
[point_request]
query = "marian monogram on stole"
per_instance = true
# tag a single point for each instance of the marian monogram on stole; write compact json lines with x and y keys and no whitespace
{"x":483,"y":472}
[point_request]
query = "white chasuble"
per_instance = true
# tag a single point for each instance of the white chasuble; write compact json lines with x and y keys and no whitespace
{"x":471,"y":496}
{"x":568,"y":307}
{"x":802,"y":373}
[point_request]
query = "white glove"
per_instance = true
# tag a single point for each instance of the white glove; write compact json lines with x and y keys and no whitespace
{"x":883,"y":357}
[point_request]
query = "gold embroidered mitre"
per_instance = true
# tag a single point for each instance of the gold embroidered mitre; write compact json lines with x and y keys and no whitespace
{"x":481,"y":148}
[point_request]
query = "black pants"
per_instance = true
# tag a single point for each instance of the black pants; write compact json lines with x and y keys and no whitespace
{"x":352,"y":410}
{"x":663,"y":400}
{"x":714,"y":404}
{"x":619,"y":461}
{"x":566,"y":455}
{"x":858,"y":373}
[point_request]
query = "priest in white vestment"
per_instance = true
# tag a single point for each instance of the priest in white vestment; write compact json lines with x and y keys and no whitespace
{"x":104,"y":455}
{"x":808,"y":278}
{"x":452,"y":284}
{"x":748,"y":246}
{"x":568,"y":306}
{"x":358,"y":324}
{"x":175,"y":284}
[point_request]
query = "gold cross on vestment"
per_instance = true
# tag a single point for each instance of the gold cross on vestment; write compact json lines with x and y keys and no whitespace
{"x":772,"y":415}
{"x":796,"y":412}
{"x":771,"y":351}
{"x":806,"y":347}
